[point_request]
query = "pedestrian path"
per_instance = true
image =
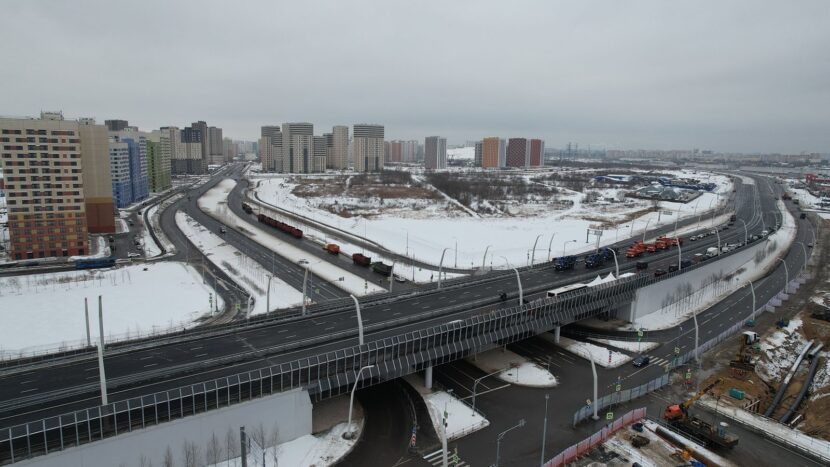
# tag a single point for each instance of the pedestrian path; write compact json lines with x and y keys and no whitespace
{"x":453,"y":459}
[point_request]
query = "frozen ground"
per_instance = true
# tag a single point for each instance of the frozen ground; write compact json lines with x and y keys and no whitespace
{"x":214,"y":202}
{"x":461,"y":419}
{"x":431,"y":226}
{"x":321,"y":450}
{"x":602,"y":356}
{"x":247,"y":273}
{"x":513,"y":368}
{"x":148,"y":245}
{"x":47,"y":310}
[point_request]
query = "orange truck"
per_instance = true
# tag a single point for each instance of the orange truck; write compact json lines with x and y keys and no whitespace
{"x":332,"y":248}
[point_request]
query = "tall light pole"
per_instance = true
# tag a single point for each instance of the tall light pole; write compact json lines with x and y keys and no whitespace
{"x":544,"y":432}
{"x":305,"y":280}
{"x":101,"y":374}
{"x":697,"y":337}
{"x":392,"y":276}
{"x":267,"y":296}
{"x":746,"y":232}
{"x":478,"y":380}
{"x":519,"y":281}
{"x":533,"y":255}
{"x":631,"y":232}
{"x":679,"y":255}
{"x":564,"y":245}
{"x":718,"y":234}
{"x":501,"y":436}
{"x":456,"y":253}
{"x":596,"y":397}
{"x":441,"y":266}
{"x":349,"y":434}
{"x":752,"y":287}
{"x":484,"y":258}
{"x":645,"y":230}
{"x":804,"y":250}
{"x":786,"y":276}
{"x":616,"y":264}
{"x":550,"y":244}
{"x":359,"y":320}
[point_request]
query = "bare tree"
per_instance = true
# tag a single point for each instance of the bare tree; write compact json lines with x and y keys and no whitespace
{"x":144,"y":462}
{"x":168,"y":458}
{"x":190,"y":454}
{"x":231,"y":445}
{"x":274,"y":442}
{"x":213,"y":453}
{"x":259,"y":435}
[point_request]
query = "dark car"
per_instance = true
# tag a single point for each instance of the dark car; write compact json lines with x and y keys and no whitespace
{"x":502,"y":295}
{"x":641,"y":361}
{"x":660,"y":272}
{"x":641,"y":265}
{"x":672,"y":268}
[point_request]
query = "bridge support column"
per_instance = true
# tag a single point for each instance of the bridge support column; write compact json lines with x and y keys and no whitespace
{"x":428,"y":377}
{"x":556,"y":334}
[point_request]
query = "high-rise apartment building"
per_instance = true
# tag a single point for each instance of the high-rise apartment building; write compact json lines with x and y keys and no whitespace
{"x":116,"y":125}
{"x":368,"y":147}
{"x":338,"y":158}
{"x":395,"y":152}
{"x":230,"y":149}
{"x":478,"y":154}
{"x":270,"y":148}
{"x":518,"y":152}
{"x":537,"y":153}
{"x":122,"y":190}
{"x":195,"y":161}
{"x":135,"y":143}
{"x":44,"y":165}
{"x":216,"y":154}
{"x":320,"y":151}
{"x":409,"y":151}
{"x":435,"y":152}
{"x":297,"y":147}
{"x":493,"y":152}
{"x":158,"y":164}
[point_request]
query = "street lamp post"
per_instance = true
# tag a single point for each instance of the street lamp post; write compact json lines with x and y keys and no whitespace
{"x":544,"y":432}
{"x":267,"y":296}
{"x":804,"y":250}
{"x":441,"y":266}
{"x":392,"y":276}
{"x":786,"y":276}
{"x":752,"y":287}
{"x":564,"y":246}
{"x":596,"y":401}
{"x":533,"y":255}
{"x":484,"y":258}
{"x":501,"y":436}
{"x":718,"y":235}
{"x":456,"y":253}
{"x":645,"y":230}
{"x":679,"y":256}
{"x":349,"y":434}
{"x":519,"y":281}
{"x":550,"y":244}
{"x":746,"y":232}
{"x":616,"y":264}
{"x":359,"y":320}
{"x":478,"y":380}
{"x":305,"y":279}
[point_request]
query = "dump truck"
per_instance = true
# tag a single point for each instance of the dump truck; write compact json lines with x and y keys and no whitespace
{"x":361,"y":260}
{"x":594,"y":260}
{"x":332,"y":248}
{"x":382,"y":268}
{"x":564,"y":263}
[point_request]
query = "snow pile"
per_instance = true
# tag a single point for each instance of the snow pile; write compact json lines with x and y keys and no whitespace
{"x":321,"y":450}
{"x":461,"y":419}
{"x":42,"y":310}
{"x":247,"y":273}
{"x":214,"y":202}
{"x":148,"y":245}
{"x":630,"y":346}
{"x":602,"y":356}
{"x":513,"y":368}
{"x":780,"y":351}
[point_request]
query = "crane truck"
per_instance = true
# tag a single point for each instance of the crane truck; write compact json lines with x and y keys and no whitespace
{"x":678,"y":416}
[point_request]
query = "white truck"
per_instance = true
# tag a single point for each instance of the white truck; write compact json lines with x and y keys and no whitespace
{"x":712,"y":252}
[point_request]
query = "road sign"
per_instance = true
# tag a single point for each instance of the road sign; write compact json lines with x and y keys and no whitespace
{"x":639,"y":333}
{"x":618,"y":387}
{"x":609,"y":416}
{"x":677,"y":350}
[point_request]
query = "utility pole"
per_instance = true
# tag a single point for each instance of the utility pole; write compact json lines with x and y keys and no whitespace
{"x":101,"y":374}
{"x":86,"y":315}
{"x":244,"y":447}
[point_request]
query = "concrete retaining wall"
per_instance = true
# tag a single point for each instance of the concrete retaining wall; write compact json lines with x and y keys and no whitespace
{"x":289,"y":412}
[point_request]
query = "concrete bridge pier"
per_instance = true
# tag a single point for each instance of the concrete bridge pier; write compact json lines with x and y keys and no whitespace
{"x":556,"y":331}
{"x":428,"y":377}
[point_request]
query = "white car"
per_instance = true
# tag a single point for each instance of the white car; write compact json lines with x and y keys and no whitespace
{"x":133,"y":255}
{"x":399,"y":278}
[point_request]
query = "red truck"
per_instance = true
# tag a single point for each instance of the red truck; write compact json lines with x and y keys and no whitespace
{"x":361,"y":260}
{"x":332,"y":248}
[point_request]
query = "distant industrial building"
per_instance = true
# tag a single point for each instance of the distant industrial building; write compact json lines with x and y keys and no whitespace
{"x":57,"y":184}
{"x":116,"y":125}
{"x":435,"y":152}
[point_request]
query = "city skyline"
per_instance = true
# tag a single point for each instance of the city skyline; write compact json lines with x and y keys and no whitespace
{"x":650,"y":75}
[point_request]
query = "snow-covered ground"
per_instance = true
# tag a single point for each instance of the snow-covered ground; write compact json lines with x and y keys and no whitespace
{"x":602,"y":356}
{"x":321,"y":450}
{"x":155,"y":224}
{"x":513,"y":368}
{"x":780,"y":349}
{"x":631,"y":346}
{"x":247,"y":273}
{"x":148,"y":245}
{"x":214,"y":202}
{"x":47,"y":310}
{"x":461,"y":419}
{"x":425,"y":227}
{"x":465,"y":152}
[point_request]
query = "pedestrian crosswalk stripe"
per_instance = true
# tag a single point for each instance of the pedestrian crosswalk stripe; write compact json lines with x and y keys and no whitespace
{"x":436,"y":459}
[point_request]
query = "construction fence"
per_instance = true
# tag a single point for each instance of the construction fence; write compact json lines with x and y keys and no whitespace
{"x":583,"y":447}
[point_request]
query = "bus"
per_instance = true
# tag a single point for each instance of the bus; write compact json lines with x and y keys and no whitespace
{"x":565,"y":289}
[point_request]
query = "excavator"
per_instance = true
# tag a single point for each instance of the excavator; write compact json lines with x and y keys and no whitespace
{"x":678,"y":416}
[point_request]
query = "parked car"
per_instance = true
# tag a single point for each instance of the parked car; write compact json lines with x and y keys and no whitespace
{"x":641,"y":361}
{"x":399,"y":278}
{"x":659,"y":272}
{"x":641,"y":265}
{"x":672,"y":268}
{"x":223,"y":230}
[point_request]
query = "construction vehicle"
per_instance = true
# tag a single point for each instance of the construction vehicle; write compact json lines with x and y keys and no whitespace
{"x":678,"y":416}
{"x":564,"y":263}
{"x":361,"y":260}
{"x":636,"y":250}
{"x":332,"y":248}
{"x":745,"y":358}
{"x":382,"y":268}
{"x":594,"y":260}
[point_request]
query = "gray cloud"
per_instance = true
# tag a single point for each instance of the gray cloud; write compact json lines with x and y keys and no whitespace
{"x":731,"y":76}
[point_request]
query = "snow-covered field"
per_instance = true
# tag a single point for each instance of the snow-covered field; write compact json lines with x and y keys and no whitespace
{"x":432,"y":225}
{"x":461,"y":419}
{"x":214,"y":202}
{"x":319,"y":450}
{"x":513,"y":368}
{"x":247,"y":273}
{"x":631,"y":346}
{"x":47,"y":310}
{"x":602,"y":356}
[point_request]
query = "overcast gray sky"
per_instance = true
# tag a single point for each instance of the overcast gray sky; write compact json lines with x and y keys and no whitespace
{"x":726,"y":75}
